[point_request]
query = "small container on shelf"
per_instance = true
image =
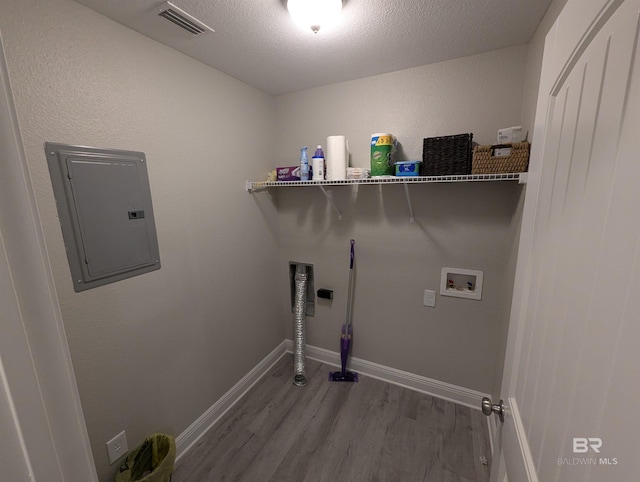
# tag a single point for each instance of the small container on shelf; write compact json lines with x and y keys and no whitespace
{"x":357,"y":173}
{"x":408,"y":168}
{"x":289,"y":173}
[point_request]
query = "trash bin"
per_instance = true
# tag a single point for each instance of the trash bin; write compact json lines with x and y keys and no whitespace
{"x":151,"y":461}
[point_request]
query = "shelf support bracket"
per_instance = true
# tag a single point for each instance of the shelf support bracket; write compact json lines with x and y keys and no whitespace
{"x":330,"y":199}
{"x":412,"y":219}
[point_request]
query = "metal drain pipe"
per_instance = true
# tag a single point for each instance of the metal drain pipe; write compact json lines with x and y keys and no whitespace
{"x":299,"y":314}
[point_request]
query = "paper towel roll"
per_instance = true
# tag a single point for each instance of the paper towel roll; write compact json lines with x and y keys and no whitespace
{"x":337,"y":158}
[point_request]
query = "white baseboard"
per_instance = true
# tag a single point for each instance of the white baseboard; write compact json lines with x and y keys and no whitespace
{"x":197,"y":429}
{"x":435,"y":388}
{"x":453,"y":393}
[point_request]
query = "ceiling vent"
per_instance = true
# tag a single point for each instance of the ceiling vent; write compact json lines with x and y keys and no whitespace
{"x":182,"y":19}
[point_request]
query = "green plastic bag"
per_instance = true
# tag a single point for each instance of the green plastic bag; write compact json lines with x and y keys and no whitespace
{"x":151,"y":461}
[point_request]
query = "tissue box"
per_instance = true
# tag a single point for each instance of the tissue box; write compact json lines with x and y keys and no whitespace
{"x":510,"y":135}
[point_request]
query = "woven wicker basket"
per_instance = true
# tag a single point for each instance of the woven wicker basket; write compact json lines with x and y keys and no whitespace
{"x":446,"y":155}
{"x":485,"y":162}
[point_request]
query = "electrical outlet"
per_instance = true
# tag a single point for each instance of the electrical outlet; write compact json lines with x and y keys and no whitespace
{"x":117,"y":447}
{"x":429,"y":298}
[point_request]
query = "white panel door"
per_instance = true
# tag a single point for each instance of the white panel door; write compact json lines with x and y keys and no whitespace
{"x":43,"y":437}
{"x":14,"y":459}
{"x":571,"y":385}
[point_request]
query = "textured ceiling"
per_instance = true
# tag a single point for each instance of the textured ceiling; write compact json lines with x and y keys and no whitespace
{"x":256,"y":41}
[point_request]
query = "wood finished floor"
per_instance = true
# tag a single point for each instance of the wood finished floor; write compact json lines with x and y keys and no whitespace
{"x":355,"y":432}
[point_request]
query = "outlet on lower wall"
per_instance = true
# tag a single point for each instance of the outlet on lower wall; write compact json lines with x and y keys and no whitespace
{"x":117,"y":447}
{"x":429,"y":298}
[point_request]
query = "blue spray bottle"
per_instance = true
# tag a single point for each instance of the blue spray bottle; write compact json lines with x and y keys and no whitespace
{"x":304,"y":164}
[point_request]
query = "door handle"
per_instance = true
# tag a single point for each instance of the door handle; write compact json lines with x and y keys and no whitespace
{"x":488,"y":407}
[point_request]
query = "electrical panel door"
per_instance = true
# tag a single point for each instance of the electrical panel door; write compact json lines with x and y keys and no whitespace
{"x":104,"y":204}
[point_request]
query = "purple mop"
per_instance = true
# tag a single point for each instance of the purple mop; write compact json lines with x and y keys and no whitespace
{"x":347,"y":333}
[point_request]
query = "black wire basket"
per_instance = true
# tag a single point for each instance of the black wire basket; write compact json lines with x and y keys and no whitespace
{"x":447,"y":155}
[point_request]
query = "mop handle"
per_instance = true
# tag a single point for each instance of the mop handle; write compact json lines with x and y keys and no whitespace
{"x":349,"y":295}
{"x":353,"y":253}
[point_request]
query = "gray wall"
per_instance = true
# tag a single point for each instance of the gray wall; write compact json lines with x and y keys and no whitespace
{"x":457,"y":225}
{"x":153,"y":352}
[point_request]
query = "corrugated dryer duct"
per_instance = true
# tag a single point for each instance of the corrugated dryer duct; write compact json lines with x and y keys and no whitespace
{"x":310,"y":293}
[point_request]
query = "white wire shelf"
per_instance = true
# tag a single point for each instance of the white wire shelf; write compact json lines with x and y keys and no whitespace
{"x":521,"y":177}
{"x":254,"y":186}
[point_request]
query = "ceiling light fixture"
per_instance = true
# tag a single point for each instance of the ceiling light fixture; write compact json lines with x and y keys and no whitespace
{"x":314,"y":13}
